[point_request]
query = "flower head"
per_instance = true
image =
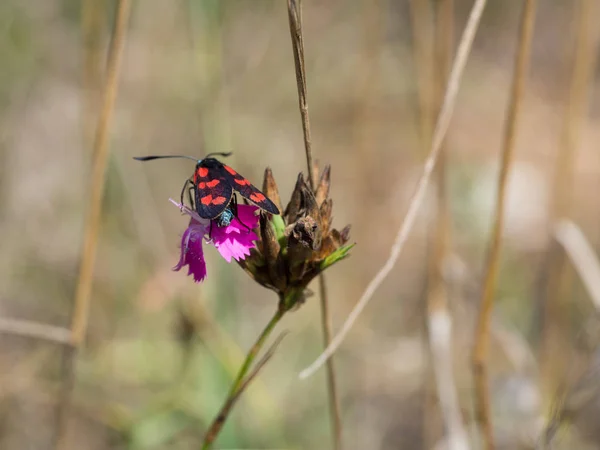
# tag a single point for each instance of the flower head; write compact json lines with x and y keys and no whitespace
{"x":232,"y":241}
{"x":236,"y":239}
{"x":298,"y":245}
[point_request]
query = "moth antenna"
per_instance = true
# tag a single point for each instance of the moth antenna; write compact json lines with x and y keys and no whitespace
{"x":150,"y":158}
{"x":219,"y":154}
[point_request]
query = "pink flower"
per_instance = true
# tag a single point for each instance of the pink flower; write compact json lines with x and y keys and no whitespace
{"x":191,"y":251}
{"x":235,"y":240}
{"x":232,"y":241}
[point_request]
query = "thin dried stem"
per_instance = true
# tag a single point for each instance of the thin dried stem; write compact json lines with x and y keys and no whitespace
{"x":440,"y":338}
{"x":555,"y":273}
{"x":417,"y":198}
{"x":92,"y":15}
{"x":439,"y":315}
{"x":295,"y":19}
{"x":241,"y":381}
{"x":84,"y":285}
{"x":334,"y":404}
{"x":92,"y":224}
{"x":27,"y":328}
{"x":583,"y":258}
{"x":579,"y":85}
{"x":427,"y":42}
{"x":423,"y":55}
{"x":482,"y":336}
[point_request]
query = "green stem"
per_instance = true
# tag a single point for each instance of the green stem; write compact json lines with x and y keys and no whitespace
{"x":251,"y":356}
{"x":221,"y":417}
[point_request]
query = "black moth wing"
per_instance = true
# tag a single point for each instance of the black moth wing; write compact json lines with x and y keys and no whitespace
{"x":213,"y":191}
{"x":248,"y":190}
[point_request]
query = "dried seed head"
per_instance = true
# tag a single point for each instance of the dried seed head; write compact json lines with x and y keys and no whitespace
{"x":270,"y":188}
{"x":345,"y":234}
{"x":271,"y":253}
{"x":325,"y":215}
{"x":322,"y":190}
{"x":310,"y":206}
{"x":315,"y":171}
{"x":257,"y":271}
{"x":303,"y":240}
{"x":306,"y":233}
{"x":293,"y":207}
{"x":297,"y":246}
{"x":269,"y":240}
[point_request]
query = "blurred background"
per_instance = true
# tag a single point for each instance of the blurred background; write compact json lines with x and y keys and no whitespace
{"x":208,"y":75}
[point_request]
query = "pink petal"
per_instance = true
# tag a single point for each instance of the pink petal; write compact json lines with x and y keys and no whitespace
{"x":192,"y":254}
{"x":237,"y":247}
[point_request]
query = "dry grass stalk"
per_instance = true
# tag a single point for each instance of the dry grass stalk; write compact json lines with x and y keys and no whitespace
{"x":92,"y":15}
{"x":421,"y":18}
{"x":27,"y":328}
{"x":423,"y":55}
{"x":555,"y":273}
{"x":296,"y":34}
{"x":482,"y":336}
{"x":568,"y":401}
{"x":438,"y":312}
{"x":441,"y":127}
{"x":92,"y":225}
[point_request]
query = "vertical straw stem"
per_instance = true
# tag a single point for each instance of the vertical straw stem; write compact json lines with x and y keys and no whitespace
{"x":84,"y":285}
{"x":423,"y":55}
{"x":556,"y":274}
{"x":92,"y":15}
{"x":438,"y":311}
{"x":295,"y":19}
{"x":334,"y":405}
{"x":482,"y":336}
{"x":92,"y":223}
{"x":297,"y":37}
{"x":422,"y":21}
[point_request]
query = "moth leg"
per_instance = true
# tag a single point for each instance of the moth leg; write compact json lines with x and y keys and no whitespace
{"x":191,"y":197}
{"x":183,"y":193}
{"x":234,"y":210}
{"x":234,"y":204}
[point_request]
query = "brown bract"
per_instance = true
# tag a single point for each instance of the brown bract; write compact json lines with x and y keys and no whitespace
{"x":299,"y":244}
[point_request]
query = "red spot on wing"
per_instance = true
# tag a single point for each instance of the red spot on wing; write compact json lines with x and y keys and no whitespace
{"x":241,"y":182}
{"x":257,"y":197}
{"x":219,"y":200}
{"x":213,"y":183}
{"x":230,"y":170}
{"x":202,"y":171}
{"x":202,"y":185}
{"x":206,"y":199}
